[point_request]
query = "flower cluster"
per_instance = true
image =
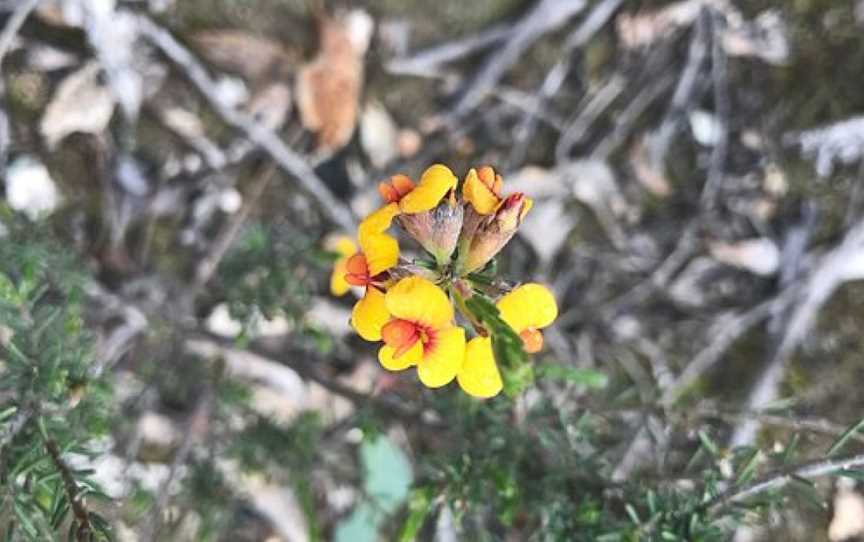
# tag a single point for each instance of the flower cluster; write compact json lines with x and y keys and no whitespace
{"x":412,"y":306}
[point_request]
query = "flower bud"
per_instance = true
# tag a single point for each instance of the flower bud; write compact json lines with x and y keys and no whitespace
{"x":492,"y":232}
{"x":437,"y":230}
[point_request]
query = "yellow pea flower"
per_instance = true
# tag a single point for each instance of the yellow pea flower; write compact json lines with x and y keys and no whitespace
{"x":345,"y":247}
{"x":378,"y":253}
{"x":419,"y":331}
{"x":434,"y":184}
{"x":479,"y":376}
{"x":526,"y":309}
{"x":482,"y":189}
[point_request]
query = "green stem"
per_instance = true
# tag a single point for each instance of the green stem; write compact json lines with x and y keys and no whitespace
{"x":459,"y":300}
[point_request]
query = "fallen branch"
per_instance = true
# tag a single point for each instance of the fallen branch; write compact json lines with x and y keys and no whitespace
{"x":778,"y":479}
{"x":546,"y":16}
{"x":285,"y":158}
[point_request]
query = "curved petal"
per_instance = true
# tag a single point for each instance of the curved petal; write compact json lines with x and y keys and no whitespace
{"x":344,"y":246}
{"x":529,"y":305}
{"x":382,"y":253}
{"x":433,"y":186}
{"x":442,"y":358}
{"x":370,"y":314}
{"x":338,"y":285}
{"x":418,"y":300}
{"x":478,"y":194}
{"x":408,"y":359}
{"x":479,"y":376}
{"x":380,"y":249}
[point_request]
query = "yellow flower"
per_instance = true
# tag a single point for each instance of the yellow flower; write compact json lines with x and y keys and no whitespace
{"x":526,"y":309}
{"x":419,"y":331}
{"x":380,"y":250}
{"x":482,"y":190}
{"x":343,"y":246}
{"x":378,"y":253}
{"x":434,"y":184}
{"x":479,"y":376}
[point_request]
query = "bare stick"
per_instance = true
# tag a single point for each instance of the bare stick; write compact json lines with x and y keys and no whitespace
{"x":219,"y":247}
{"x":13,"y":25}
{"x":824,"y":280}
{"x":429,"y":60}
{"x":778,"y":479}
{"x":546,"y":16}
{"x":555,"y":77}
{"x":683,"y":91}
{"x":721,"y":110}
{"x":288,"y":160}
{"x":710,"y":355}
{"x":15,"y":425}
{"x":73,"y":492}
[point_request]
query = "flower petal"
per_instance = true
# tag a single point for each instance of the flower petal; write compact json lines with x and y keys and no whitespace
{"x":478,"y":194}
{"x":408,"y":359}
{"x":344,"y":246}
{"x":442,"y":358}
{"x":370,"y":314}
{"x":418,"y":300}
{"x":434,"y":184}
{"x":338,"y":285}
{"x":529,"y":305}
{"x":479,"y":376}
{"x":380,"y":249}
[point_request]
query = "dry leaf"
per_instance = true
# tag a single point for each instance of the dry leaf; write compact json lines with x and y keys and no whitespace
{"x":408,"y":142}
{"x":648,"y":175}
{"x":378,"y":135}
{"x":270,"y":105}
{"x":328,"y":87}
{"x":760,"y":256}
{"x":252,"y":57}
{"x":848,"y":520}
{"x":80,"y":104}
{"x":30,"y":189}
{"x":547,"y":227}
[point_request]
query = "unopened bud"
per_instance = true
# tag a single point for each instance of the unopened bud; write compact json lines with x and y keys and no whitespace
{"x":437,"y":230}
{"x":494,"y":231}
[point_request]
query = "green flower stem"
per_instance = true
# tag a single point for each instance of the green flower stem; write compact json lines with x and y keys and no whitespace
{"x":459,"y":299}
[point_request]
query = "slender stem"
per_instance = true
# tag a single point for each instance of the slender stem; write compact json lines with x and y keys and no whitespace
{"x":778,"y":479}
{"x":76,"y":499}
{"x":462,"y":307}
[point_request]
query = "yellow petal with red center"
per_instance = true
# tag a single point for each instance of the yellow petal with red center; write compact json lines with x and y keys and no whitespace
{"x":479,"y":376}
{"x":442,"y":357}
{"x":338,"y":285}
{"x":408,"y":359}
{"x":380,"y":249}
{"x":478,"y":194}
{"x":529,"y":305}
{"x":419,"y":301}
{"x":433,"y":186}
{"x":370,"y":314}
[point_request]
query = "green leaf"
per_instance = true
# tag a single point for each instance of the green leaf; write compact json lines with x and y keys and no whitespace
{"x":506,"y":343}
{"x":418,"y":508}
{"x":708,"y":443}
{"x":8,"y":291}
{"x":844,"y":438}
{"x":584,"y":377}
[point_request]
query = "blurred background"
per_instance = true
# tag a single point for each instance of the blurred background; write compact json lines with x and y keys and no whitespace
{"x":173,"y":365}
